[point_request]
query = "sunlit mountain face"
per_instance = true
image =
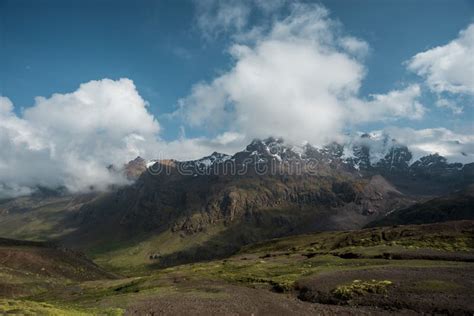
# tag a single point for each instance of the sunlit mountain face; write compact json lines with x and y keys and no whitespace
{"x":299,"y":157}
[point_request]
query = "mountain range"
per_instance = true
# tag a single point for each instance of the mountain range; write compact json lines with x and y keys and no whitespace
{"x":387,"y":158}
{"x":210,"y":207}
{"x":224,"y":208}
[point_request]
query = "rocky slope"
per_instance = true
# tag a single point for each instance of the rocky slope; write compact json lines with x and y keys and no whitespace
{"x":267,"y":190}
{"x":363,"y":156}
{"x":210,"y":207}
{"x":455,"y":206}
{"x":29,"y":267}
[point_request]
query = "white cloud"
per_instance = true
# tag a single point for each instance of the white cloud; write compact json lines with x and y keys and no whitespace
{"x":195,"y":148}
{"x":454,"y":146}
{"x":391,"y":106}
{"x":449,"y":104}
{"x":355,"y":46}
{"x":299,"y":79}
{"x":448,"y":68}
{"x":70,"y":139}
{"x":114,"y":107}
{"x":6,"y":105}
{"x":216,"y":17}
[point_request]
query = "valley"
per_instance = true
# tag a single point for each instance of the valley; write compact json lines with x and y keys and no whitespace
{"x":405,"y":269}
{"x":300,"y":232}
{"x":236,"y":157}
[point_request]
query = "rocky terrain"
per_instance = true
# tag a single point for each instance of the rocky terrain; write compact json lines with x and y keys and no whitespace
{"x":454,"y":206}
{"x":202,"y":232}
{"x":404,"y":270}
{"x":210,"y":207}
{"x":268,"y":190}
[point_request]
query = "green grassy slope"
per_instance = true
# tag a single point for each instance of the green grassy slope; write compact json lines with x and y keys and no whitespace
{"x":371,"y":267}
{"x":28,"y":268}
{"x":40,"y":218}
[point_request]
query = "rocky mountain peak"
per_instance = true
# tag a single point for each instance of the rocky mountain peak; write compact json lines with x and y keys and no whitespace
{"x":259,"y":151}
{"x":210,"y":160}
{"x":397,"y":160}
{"x":134,"y":168}
{"x":266,"y":146}
{"x":368,"y":153}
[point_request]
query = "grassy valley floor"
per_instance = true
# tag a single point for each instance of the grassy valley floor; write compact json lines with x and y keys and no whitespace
{"x":405,"y":269}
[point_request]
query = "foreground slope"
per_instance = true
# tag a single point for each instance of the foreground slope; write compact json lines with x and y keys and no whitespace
{"x":406,"y":269}
{"x":409,"y":269}
{"x":29,"y":267}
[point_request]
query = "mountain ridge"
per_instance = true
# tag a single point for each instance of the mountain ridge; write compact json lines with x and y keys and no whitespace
{"x":358,"y":155}
{"x":210,"y":207}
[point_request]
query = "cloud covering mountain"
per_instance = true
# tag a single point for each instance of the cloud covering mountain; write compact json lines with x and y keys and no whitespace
{"x":67,"y":139}
{"x":298,"y":77}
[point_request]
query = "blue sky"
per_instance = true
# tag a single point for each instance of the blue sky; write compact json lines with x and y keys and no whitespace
{"x":53,"y":46}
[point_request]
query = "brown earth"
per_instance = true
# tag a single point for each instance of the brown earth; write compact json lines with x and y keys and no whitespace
{"x":434,"y":290}
{"x":225,"y":299}
{"x":50,"y":261}
{"x":30,"y":267}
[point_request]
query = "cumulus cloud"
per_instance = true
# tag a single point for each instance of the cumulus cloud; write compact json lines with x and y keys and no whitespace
{"x":299,"y":78}
{"x":448,"y":68}
{"x":391,"y":106}
{"x":69,"y":139}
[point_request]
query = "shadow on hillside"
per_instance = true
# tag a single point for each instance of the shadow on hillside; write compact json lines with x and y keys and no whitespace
{"x":252,"y":228}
